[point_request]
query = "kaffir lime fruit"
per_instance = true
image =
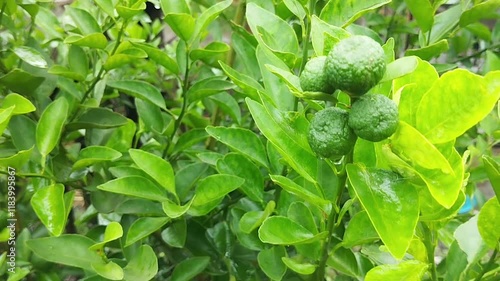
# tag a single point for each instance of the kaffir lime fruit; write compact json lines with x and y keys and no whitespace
{"x":329,"y":133}
{"x":355,"y":65}
{"x":374,"y":117}
{"x":313,"y":78}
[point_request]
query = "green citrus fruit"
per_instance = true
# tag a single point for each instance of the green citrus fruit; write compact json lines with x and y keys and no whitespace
{"x":329,"y":133}
{"x":374,"y":117}
{"x":355,"y":65}
{"x":313,"y":78}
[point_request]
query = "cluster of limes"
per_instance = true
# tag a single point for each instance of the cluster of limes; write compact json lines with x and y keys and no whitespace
{"x":354,"y":65}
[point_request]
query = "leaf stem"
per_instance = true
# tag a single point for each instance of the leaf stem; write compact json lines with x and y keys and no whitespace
{"x":332,"y":219}
{"x":488,"y":266}
{"x":430,"y":245}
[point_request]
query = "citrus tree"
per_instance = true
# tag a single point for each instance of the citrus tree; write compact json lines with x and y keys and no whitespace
{"x":250,"y":140}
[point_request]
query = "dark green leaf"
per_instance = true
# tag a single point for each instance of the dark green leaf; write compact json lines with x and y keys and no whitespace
{"x":140,"y":89}
{"x":270,"y":262}
{"x":97,"y":118}
{"x":95,"y":154}
{"x":156,"y":167}
{"x":190,"y":268}
{"x":50,"y":126}
{"x":135,"y":186}
{"x":143,"y":265}
{"x":143,"y":227}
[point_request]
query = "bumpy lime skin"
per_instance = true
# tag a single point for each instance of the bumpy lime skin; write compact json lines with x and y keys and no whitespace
{"x":355,"y":65}
{"x":329,"y":133}
{"x":374,"y":117}
{"x":313,"y":78}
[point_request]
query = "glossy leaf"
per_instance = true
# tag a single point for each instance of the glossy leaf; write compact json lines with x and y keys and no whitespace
{"x":23,"y":132}
{"x":493,"y":171}
{"x":344,"y":12}
{"x":143,"y":227}
{"x":160,"y":57}
{"x":323,"y":33}
{"x":122,"y":137}
{"x":416,"y":150}
{"x":55,"y":249}
{"x":150,"y":115}
{"x":182,"y":24}
{"x":135,"y":186}
{"x":423,"y":12}
{"x":83,"y":20}
{"x":302,"y":268}
{"x":249,"y":86}
{"x":208,"y":16}
{"x":284,"y":38}
{"x":78,"y":61}
{"x":186,"y":177}
{"x":488,"y":221}
{"x":430,"y":51}
{"x":143,"y":265}
{"x":470,"y":241}
{"x":175,"y":234}
{"x":211,"y":54}
{"x":49,"y":205}
{"x":387,"y":199}
{"x":17,"y":160}
{"x":94,"y":40}
{"x":113,"y":231}
{"x":359,"y":231}
{"x":399,"y":68}
{"x":271,"y":231}
{"x":50,"y":126}
{"x":190,"y":268}
{"x":30,"y":56}
{"x":238,"y":165}
{"x":215,"y":187}
{"x":110,"y":270}
{"x":253,"y":219}
{"x":5,"y":115}
{"x":129,"y":12}
{"x":207,"y":87}
{"x":289,"y":138}
{"x":485,"y":10}
{"x":444,"y":23}
{"x":95,"y":154}
{"x":173,"y":210}
{"x":407,"y":270}
{"x":297,"y":190}
{"x":155,"y":166}
{"x":271,"y":263}
{"x":23,"y":105}
{"x":97,"y":118}
{"x":228,"y":104}
{"x":189,"y":139}
{"x":12,"y":78}
{"x":65,"y":72}
{"x":140,"y":89}
{"x":174,"y":6}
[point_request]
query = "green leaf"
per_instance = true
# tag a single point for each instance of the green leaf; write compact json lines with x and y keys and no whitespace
{"x":429,"y":51}
{"x":359,"y":231}
{"x":493,"y":171}
{"x":488,"y":221}
{"x":387,"y":198}
{"x":150,"y":115}
{"x":344,"y":12}
{"x":94,"y":40}
{"x":188,"y":269}
{"x":399,"y":68}
{"x":17,"y":160}
{"x":344,"y":261}
{"x":55,"y":249}
{"x":143,"y":265}
{"x":249,"y":86}
{"x":412,"y":88}
{"x":160,"y":57}
{"x":287,"y":133}
{"x":48,"y":204}
{"x":158,"y":168}
{"x":207,"y":87}
{"x":119,"y":60}
{"x":444,"y":23}
{"x":468,"y":98}
{"x":29,"y":85}
{"x":173,"y":210}
{"x":83,"y":20}
{"x":296,"y":8}
{"x":187,"y":176}
{"x":182,"y":25}
{"x":189,"y":139}
{"x":130,"y":12}
{"x":23,"y":105}
{"x":444,"y":182}
{"x":253,"y":219}
{"x":135,"y":186}
{"x":175,"y":234}
{"x":271,"y":231}
{"x":78,"y":61}
{"x":423,"y":12}
{"x":322,"y":35}
{"x":174,"y":6}
{"x":110,"y":270}
{"x":284,"y":38}
{"x":215,"y":187}
{"x":301,"y":268}
{"x":140,"y":89}
{"x":431,"y":210}
{"x":241,"y":140}
{"x":407,"y":270}
{"x":23,"y":132}
{"x":470,"y":241}
{"x":5,"y":115}
{"x":228,"y":105}
{"x":95,"y":154}
{"x":299,"y":191}
{"x":113,"y":231}
{"x":211,"y":54}
{"x":208,"y":16}
{"x":271,"y":263}
{"x":30,"y":56}
{"x":97,"y":118}
{"x":239,"y":165}
{"x":485,"y":10}
{"x":50,"y":126}
{"x":63,"y":71}
{"x":143,"y":227}
{"x":106,"y":6}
